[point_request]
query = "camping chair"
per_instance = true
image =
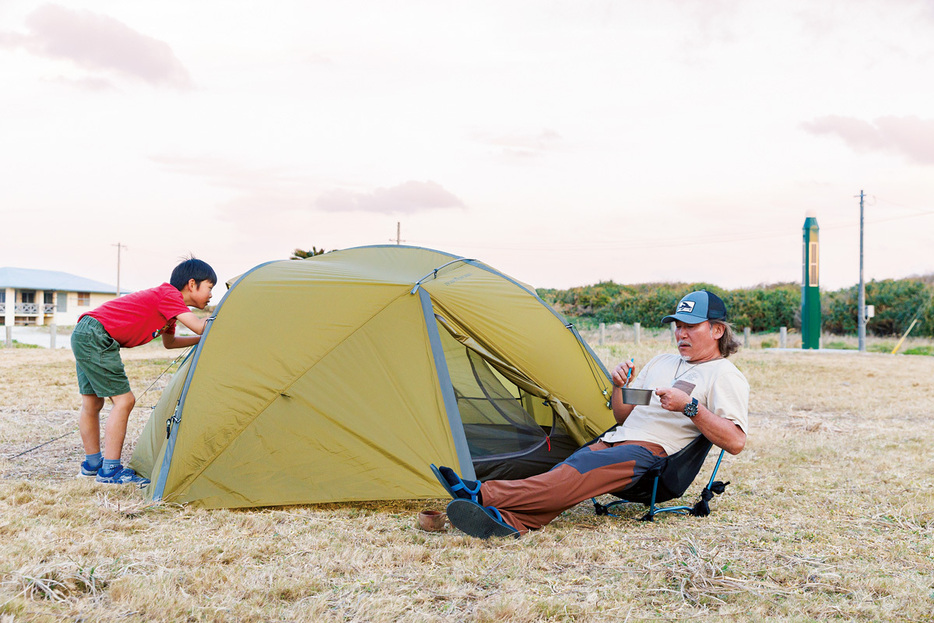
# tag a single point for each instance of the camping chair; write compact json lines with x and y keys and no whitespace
{"x":667,"y":480}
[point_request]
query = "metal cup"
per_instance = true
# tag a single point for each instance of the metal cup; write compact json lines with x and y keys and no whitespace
{"x":633,"y":396}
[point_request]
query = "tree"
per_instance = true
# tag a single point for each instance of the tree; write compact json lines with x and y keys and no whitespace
{"x":299,"y":254}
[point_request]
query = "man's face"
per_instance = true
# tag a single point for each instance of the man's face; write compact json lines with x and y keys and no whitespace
{"x":698,"y":342}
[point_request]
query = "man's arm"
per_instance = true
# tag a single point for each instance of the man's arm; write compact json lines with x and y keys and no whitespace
{"x":722,"y":432}
{"x":621,"y":411}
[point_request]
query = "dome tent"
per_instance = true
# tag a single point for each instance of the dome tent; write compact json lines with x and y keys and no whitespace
{"x":341,"y":377}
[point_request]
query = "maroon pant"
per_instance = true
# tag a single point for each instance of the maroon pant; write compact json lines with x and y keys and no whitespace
{"x":598,"y":468}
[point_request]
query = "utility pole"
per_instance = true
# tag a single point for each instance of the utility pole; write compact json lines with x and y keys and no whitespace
{"x":399,"y":239}
{"x":861,"y":302}
{"x":119,"y":246}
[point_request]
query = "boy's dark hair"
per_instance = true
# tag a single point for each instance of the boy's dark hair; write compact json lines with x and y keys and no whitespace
{"x":192,"y":268}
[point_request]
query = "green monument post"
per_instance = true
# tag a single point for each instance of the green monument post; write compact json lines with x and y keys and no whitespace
{"x":810,"y":288}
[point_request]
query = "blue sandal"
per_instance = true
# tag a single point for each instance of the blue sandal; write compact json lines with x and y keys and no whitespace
{"x":478,"y":521}
{"x":456,"y":488}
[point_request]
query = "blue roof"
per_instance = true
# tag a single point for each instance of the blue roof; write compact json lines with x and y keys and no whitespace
{"x":29,"y":279}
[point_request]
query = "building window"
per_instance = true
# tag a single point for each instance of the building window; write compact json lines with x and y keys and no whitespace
{"x":27,"y":296}
{"x":62,"y":301}
{"x":84,"y":299}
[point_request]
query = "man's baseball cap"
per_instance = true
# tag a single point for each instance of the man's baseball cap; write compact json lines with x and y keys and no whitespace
{"x":697,"y":307}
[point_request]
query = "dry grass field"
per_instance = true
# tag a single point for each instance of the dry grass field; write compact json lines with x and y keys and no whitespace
{"x":830,"y":516}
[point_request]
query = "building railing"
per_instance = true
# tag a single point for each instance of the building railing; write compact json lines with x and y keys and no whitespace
{"x":30,"y":309}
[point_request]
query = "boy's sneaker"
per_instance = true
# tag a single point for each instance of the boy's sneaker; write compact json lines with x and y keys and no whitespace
{"x":87,"y":470}
{"x":122,"y":476}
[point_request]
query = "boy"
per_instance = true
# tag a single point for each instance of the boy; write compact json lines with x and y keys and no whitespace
{"x":126,"y":322}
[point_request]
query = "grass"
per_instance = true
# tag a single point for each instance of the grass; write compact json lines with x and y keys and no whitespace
{"x":17,"y":344}
{"x":830,"y":516}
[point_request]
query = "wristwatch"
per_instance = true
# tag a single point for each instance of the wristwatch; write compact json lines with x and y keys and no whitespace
{"x":690,"y":409}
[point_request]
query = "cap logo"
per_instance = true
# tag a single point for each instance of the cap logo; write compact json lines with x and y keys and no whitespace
{"x":685,"y":306}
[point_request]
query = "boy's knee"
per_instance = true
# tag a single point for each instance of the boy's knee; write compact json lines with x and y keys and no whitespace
{"x":127,"y":400}
{"x":92,"y":403}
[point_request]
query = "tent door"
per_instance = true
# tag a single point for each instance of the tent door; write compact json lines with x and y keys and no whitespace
{"x":504,"y":439}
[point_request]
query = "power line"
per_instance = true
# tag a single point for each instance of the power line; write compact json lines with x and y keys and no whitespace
{"x":923,"y":211}
{"x":680,"y":242}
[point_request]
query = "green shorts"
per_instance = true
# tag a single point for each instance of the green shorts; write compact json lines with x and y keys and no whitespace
{"x":97,"y":360}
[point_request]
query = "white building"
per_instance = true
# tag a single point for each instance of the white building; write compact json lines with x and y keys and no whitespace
{"x":37,"y":297}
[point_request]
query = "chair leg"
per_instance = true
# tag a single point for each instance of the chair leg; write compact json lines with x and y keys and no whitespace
{"x":698,"y":510}
{"x":701,"y":509}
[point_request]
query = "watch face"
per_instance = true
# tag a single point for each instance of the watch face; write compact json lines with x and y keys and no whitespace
{"x":690,"y":409}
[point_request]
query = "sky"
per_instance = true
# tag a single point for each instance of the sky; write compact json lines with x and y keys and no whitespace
{"x":562,"y":142}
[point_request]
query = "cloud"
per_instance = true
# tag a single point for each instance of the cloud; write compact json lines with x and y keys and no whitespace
{"x":910,"y":136}
{"x":96,"y":43}
{"x":278,"y":190}
{"x":229,"y":174}
{"x":406,"y":198}
{"x":522,"y":145}
{"x":88,"y":84}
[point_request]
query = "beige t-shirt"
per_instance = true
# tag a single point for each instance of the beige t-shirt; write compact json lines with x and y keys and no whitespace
{"x":717,"y":384}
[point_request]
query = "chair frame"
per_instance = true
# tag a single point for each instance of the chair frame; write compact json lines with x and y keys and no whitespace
{"x":657,"y":473}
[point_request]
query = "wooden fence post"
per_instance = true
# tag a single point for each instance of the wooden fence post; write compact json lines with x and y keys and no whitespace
{"x":602,"y":340}
{"x":636,"y":327}
{"x":672,"y":327}
{"x":782,"y":337}
{"x":52,"y":331}
{"x":9,"y":336}
{"x":746,"y":332}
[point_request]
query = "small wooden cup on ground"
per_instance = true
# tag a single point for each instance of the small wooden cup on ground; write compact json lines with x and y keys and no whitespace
{"x":432,"y":521}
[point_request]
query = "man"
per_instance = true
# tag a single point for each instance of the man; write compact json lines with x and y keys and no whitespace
{"x":696,"y":392}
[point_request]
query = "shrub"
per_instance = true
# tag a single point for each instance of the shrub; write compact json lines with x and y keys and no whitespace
{"x":764,"y":308}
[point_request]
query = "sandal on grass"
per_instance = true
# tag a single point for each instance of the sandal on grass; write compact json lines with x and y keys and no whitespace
{"x":478,"y":521}
{"x":456,"y":488}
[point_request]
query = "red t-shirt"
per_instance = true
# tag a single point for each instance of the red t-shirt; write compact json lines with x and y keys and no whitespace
{"x":138,"y":318}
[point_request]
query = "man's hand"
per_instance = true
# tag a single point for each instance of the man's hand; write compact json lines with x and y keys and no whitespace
{"x":718,"y":429}
{"x":672,"y":399}
{"x":622,"y":373}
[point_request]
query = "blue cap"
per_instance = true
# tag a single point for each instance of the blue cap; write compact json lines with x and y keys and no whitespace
{"x":698,"y":307}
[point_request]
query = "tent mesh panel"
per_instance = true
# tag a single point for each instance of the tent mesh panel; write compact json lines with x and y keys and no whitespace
{"x":504,"y":440}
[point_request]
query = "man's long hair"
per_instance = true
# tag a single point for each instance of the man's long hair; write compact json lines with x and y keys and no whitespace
{"x":728,"y":342}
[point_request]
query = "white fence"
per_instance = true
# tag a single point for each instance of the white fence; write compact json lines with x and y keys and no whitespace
{"x":47,"y":336}
{"x":633,"y":333}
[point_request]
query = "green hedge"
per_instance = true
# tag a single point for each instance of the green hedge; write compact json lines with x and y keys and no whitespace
{"x":763,"y":308}
{"x":897,"y":303}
